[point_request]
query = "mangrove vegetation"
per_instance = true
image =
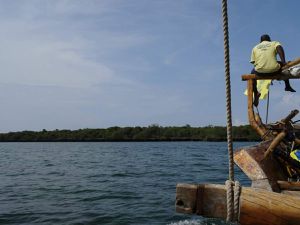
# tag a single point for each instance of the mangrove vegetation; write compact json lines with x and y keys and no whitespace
{"x":150,"y":133}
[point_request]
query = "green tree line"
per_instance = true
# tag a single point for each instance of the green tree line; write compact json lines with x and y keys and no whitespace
{"x":150,"y":133}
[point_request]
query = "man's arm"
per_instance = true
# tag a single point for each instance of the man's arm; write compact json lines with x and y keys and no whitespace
{"x":280,"y":51}
{"x":252,"y":60}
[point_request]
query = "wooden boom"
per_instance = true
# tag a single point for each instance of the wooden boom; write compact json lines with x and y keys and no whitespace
{"x":257,"y":206}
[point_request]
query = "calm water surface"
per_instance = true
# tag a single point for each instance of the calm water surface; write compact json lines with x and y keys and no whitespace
{"x":105,"y":183}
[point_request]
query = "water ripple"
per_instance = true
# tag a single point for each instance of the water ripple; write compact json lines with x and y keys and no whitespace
{"x":105,"y":183}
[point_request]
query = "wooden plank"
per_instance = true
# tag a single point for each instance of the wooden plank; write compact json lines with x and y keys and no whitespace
{"x":257,"y":206}
{"x":186,"y":196}
{"x":264,"y":208}
{"x":208,"y":200}
{"x":213,"y":201}
{"x":286,"y":185}
{"x":292,"y":193}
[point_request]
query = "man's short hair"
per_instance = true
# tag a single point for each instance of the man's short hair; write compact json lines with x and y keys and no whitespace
{"x":265,"y":37}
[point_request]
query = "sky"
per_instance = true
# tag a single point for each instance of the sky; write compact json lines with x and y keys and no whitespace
{"x":75,"y":64}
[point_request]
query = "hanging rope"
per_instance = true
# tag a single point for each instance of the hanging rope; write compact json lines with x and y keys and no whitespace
{"x":236,"y":199}
{"x":229,"y":197}
{"x":228,"y":91}
{"x":233,"y":192}
{"x":233,"y":196}
{"x":268,"y":103}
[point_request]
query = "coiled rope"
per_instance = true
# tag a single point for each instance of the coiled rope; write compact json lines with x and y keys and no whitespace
{"x":232,"y":195}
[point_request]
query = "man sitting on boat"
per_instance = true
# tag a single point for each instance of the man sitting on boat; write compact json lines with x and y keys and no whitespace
{"x":263,"y":57}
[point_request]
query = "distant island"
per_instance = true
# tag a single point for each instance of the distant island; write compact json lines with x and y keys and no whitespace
{"x":150,"y":133}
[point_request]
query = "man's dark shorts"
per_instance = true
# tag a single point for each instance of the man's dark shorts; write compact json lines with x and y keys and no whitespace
{"x":265,"y":74}
{"x":268,"y":74}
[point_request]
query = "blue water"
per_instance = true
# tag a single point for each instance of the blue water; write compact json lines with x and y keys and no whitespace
{"x":105,"y":183}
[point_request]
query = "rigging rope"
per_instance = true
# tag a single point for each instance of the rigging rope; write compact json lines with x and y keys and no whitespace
{"x":233,"y":200}
{"x":228,"y":91}
{"x":233,"y":196}
{"x":268,"y":103}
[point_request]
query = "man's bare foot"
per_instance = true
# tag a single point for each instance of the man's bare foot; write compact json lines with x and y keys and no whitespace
{"x":289,"y":89}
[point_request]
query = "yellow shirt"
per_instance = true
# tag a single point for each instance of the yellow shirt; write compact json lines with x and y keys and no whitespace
{"x":264,"y":57}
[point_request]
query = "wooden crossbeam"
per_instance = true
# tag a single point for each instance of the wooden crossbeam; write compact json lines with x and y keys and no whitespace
{"x":277,"y":76}
{"x":274,"y":77}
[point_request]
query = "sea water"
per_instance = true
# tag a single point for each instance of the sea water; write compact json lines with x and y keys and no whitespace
{"x":106,"y":183}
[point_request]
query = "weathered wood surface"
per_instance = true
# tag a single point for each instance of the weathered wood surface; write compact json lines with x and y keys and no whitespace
{"x":259,"y":207}
{"x":292,"y":193}
{"x":275,"y":142}
{"x":204,"y":199}
{"x":255,"y":120}
{"x":262,"y":207}
{"x":186,"y":198}
{"x":289,"y":188}
{"x":286,"y":185}
{"x":263,"y":172}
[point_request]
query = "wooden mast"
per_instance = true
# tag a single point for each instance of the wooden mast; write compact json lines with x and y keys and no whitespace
{"x":254,"y":119}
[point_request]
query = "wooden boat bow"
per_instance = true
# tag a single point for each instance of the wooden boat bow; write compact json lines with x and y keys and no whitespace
{"x":271,"y":199}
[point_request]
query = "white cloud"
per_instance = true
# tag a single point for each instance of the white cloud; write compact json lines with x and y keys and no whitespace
{"x":49,"y":44}
{"x":73,"y":64}
{"x":38,"y":62}
{"x":288,"y":102}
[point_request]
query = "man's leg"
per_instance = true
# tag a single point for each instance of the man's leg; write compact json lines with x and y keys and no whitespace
{"x":255,"y":92}
{"x":288,"y":86}
{"x":286,"y":82}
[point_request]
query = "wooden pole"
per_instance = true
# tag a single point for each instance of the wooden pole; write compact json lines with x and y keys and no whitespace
{"x":275,"y":142}
{"x":291,"y":63}
{"x":274,"y":77}
{"x":259,"y":128}
{"x":257,"y":206}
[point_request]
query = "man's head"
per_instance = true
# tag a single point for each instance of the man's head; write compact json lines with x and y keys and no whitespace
{"x":265,"y":37}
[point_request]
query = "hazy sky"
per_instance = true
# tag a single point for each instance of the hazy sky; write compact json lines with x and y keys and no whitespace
{"x":70,"y":64}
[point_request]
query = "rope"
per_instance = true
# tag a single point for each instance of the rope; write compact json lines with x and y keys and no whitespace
{"x":233,"y":200}
{"x":229,"y":198}
{"x":236,"y":207}
{"x":233,"y":196}
{"x":228,"y":89}
{"x":268,"y":103}
{"x":257,"y":111}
